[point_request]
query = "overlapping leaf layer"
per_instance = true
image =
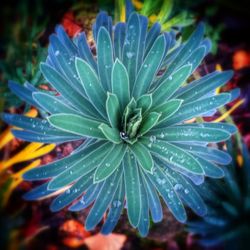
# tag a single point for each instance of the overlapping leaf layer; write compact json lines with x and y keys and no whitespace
{"x":130,"y":102}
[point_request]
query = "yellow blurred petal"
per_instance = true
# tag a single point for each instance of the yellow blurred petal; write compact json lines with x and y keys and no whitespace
{"x":123,"y":14}
{"x":240,"y":160}
{"x":153,"y":18}
{"x":17,"y":179}
{"x":218,"y":67}
{"x":33,"y":150}
{"x":32,"y":113}
{"x":41,"y":151}
{"x":137,"y":4}
{"x":5,"y":137}
{"x":230,"y":111}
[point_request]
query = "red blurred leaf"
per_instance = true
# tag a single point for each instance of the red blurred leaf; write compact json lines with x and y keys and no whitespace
{"x":69,"y":24}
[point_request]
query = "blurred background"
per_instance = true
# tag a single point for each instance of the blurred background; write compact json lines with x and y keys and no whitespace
{"x":25,"y":27}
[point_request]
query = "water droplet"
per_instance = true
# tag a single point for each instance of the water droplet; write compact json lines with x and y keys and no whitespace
{"x":170,"y":194}
{"x":129,"y":55}
{"x":178,"y":187}
{"x":162,"y":135}
{"x":57,"y":52}
{"x":186,"y":191}
{"x":170,"y":78}
{"x":116,"y":203}
{"x":152,"y":138}
{"x":161,"y":181}
{"x":107,"y":164}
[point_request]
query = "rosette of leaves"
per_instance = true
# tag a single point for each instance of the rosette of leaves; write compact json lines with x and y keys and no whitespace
{"x":227,"y":221}
{"x":130,"y":103}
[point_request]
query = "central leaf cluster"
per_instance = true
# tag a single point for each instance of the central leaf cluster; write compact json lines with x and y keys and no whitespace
{"x":131,"y":122}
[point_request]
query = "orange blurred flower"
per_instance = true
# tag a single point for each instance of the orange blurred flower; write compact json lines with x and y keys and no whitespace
{"x":241,"y":59}
{"x":73,"y":233}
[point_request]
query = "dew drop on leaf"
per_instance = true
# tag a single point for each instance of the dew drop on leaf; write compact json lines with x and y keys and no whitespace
{"x":116,"y":203}
{"x":178,"y":187}
{"x":129,"y":55}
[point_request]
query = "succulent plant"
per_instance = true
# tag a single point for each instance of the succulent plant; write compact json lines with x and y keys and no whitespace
{"x":130,"y":103}
{"x":227,"y":221}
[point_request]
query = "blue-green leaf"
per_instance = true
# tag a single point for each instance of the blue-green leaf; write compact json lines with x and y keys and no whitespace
{"x":115,"y":209}
{"x":57,"y":167}
{"x":87,"y":198}
{"x":131,"y":47}
{"x":52,"y":104}
{"x":92,"y":86}
{"x":190,"y":134}
{"x":143,"y":156}
{"x":153,"y":200}
{"x":112,"y":134}
{"x":132,"y":188}
{"x":110,"y":163}
{"x":81,"y":167}
{"x":145,"y":102}
{"x":186,"y":192}
{"x":64,"y":63}
{"x":209,"y":168}
{"x":72,"y":193}
{"x":64,"y":38}
{"x":76,"y":124}
{"x":191,"y":44}
{"x":85,"y":52}
{"x":152,"y":35}
{"x":120,"y":83}
{"x":197,"y":108}
{"x":38,"y":192}
{"x":142,"y":41}
{"x":113,"y":110}
{"x":119,"y":38}
{"x":209,"y":153}
{"x":230,"y":128}
{"x":168,"y":109}
{"x":143,"y":225}
{"x":201,"y":87}
{"x":35,"y":137}
{"x":103,"y":200}
{"x":196,"y":57}
{"x":173,"y":155}
{"x":170,"y":85}
{"x":35,"y":125}
{"x":165,"y":188}
{"x":104,"y":58}
{"x":71,"y":95}
{"x":150,"y":67}
{"x":22,"y":92}
{"x":149,"y":122}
